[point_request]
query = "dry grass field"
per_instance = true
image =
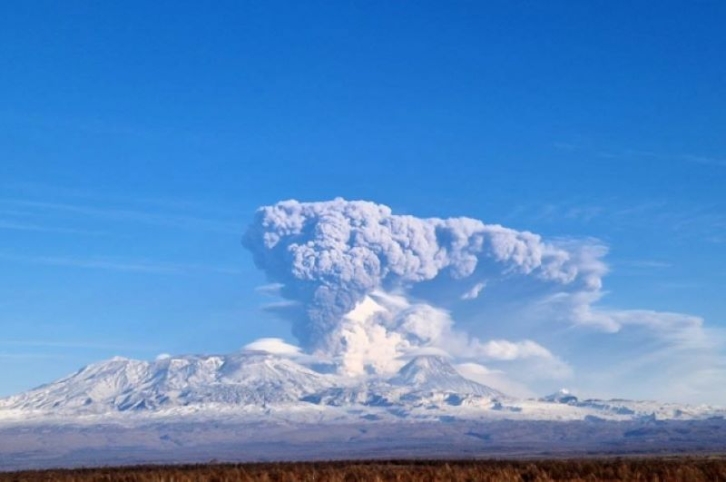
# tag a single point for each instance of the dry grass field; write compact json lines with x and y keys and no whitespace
{"x":706,"y":469}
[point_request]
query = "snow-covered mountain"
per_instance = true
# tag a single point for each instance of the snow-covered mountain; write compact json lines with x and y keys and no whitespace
{"x":255,"y":385}
{"x":422,"y":380}
{"x":122,"y":384}
{"x":560,"y":396}
{"x":434,"y":373}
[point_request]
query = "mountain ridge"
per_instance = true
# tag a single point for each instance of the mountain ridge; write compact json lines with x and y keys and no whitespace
{"x":255,"y":385}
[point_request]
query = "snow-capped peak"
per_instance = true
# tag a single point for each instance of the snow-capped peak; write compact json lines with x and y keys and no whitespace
{"x":427,"y":387}
{"x":435,"y":373}
{"x":122,"y":384}
{"x":561,"y":396}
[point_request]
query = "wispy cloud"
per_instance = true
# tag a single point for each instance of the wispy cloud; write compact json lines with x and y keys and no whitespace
{"x":41,"y":191}
{"x":641,"y":267}
{"x":709,"y":161}
{"x":99,"y":126}
{"x":573,"y":212}
{"x":20,"y":226}
{"x":130,"y":215}
{"x":565,"y":146}
{"x":82,"y":345}
{"x":639,"y":154}
{"x":706,"y":222}
{"x":30,"y":356}
{"x":678,"y":285}
{"x":270,"y":289}
{"x":56,"y":350}
{"x":35,"y":207}
{"x":646,"y":263}
{"x":122,"y":265}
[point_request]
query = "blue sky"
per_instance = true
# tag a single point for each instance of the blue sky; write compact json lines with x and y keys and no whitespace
{"x":137,"y":139}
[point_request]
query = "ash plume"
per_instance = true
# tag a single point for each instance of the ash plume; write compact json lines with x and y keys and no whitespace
{"x":345,"y":268}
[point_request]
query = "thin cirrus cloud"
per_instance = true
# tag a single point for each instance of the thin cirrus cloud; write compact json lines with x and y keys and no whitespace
{"x":706,"y":222}
{"x":30,"y":356}
{"x":21,"y":226}
{"x":120,"y":264}
{"x":130,"y":215}
{"x":30,"y":191}
{"x":679,"y":216}
{"x":709,"y":161}
{"x":640,"y":153}
{"x":647,"y":263}
{"x":57,"y":344}
{"x":73,"y":218}
{"x":45,"y":345}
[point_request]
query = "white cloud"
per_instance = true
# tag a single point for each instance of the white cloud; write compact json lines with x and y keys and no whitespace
{"x":275,"y":346}
{"x":507,"y":350}
{"x":271,"y":289}
{"x":495,"y":379}
{"x":474,"y":292}
{"x":426,"y":351}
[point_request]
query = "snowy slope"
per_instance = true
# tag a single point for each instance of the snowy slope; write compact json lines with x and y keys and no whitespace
{"x":435,"y":374}
{"x":121,"y":384}
{"x":259,"y":387}
{"x":425,"y":379}
{"x":261,"y":406}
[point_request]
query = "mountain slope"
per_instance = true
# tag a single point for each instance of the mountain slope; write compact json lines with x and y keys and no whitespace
{"x":259,"y":387}
{"x":423,"y":380}
{"x":435,"y":374}
{"x":120,"y":384}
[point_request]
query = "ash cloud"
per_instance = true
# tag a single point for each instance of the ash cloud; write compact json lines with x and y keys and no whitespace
{"x":364,"y":288}
{"x":328,"y":257}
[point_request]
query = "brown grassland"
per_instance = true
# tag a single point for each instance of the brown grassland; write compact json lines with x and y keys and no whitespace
{"x":707,"y":469}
